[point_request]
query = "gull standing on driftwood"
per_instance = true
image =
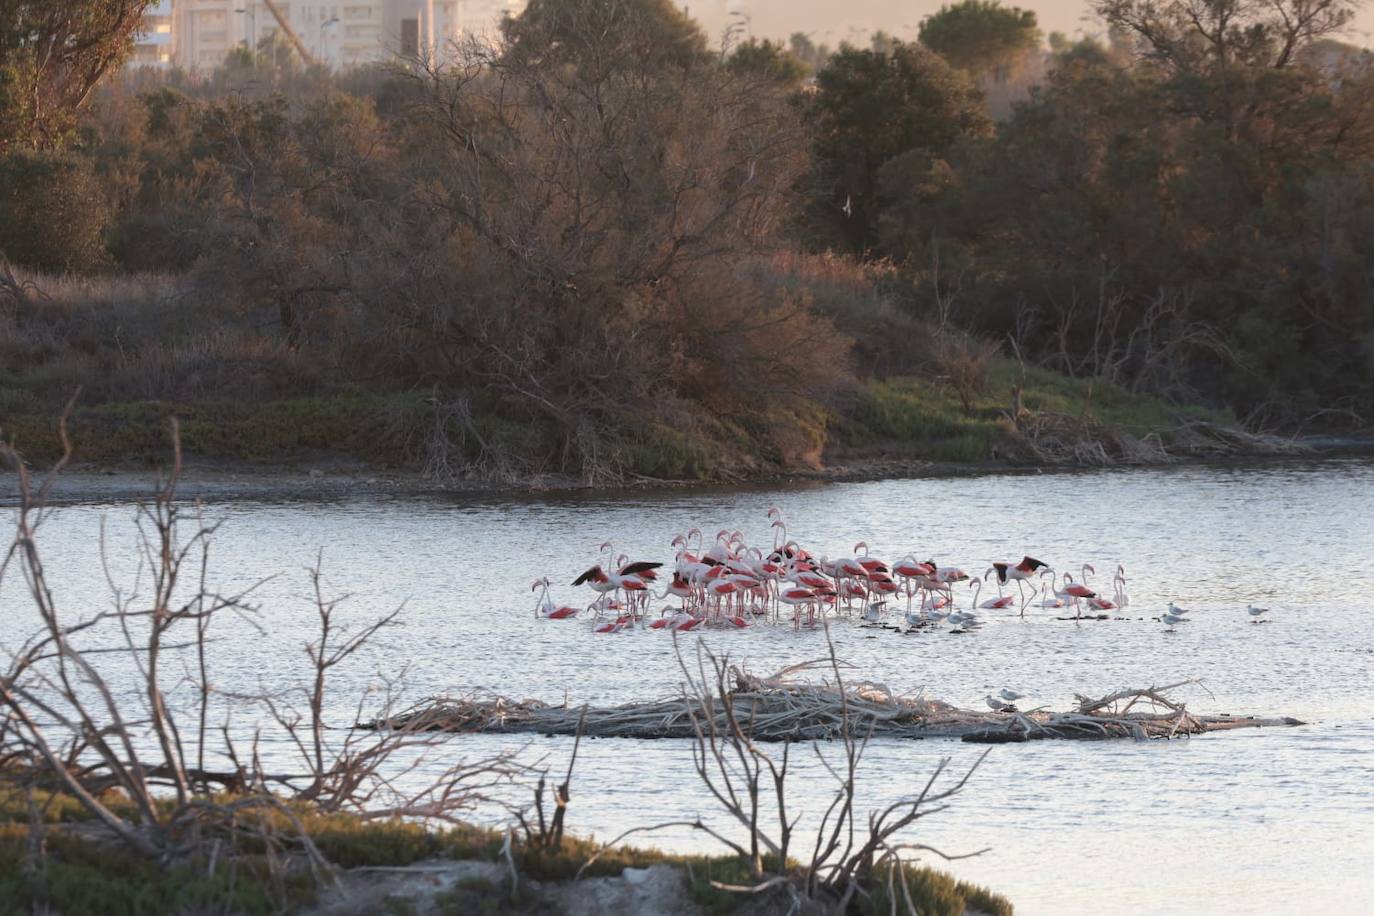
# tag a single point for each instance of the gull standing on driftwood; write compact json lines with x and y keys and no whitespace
{"x":995,"y":704}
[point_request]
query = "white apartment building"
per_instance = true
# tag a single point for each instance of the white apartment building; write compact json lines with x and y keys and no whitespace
{"x":197,"y":35}
{"x":153,"y":45}
{"x":204,"y":31}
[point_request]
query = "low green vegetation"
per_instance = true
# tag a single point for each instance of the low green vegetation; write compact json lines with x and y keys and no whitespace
{"x":79,"y":877}
{"x":925,"y":419}
{"x":907,"y":417}
{"x":76,"y":870}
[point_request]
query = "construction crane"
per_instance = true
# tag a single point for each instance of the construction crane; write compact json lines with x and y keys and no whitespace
{"x":306,"y":57}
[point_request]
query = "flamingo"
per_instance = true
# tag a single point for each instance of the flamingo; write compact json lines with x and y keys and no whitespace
{"x":545,"y":607}
{"x":779,"y":526}
{"x":948,"y":574}
{"x":880,"y":583}
{"x":721,"y":588}
{"x":798,"y":598}
{"x":909,"y":571}
{"x":850,"y":590}
{"x":679,"y":587}
{"x":643,"y":569}
{"x":600,"y":583}
{"x":869,"y":564}
{"x":684,"y":622}
{"x":1052,"y":600}
{"x":847,"y":568}
{"x":992,"y":604}
{"x":1018,"y":572}
{"x":720,"y":550}
{"x":1072,"y":592}
{"x":1096,"y":602}
{"x":1119,"y":587}
{"x":1020,"y":586}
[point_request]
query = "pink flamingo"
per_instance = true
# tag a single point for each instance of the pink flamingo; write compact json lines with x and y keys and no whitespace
{"x":545,"y":607}
{"x":992,"y":604}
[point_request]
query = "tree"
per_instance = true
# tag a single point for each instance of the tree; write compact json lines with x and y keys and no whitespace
{"x":608,"y":215}
{"x":1191,"y":36}
{"x":870,"y":108}
{"x":981,"y":36}
{"x":53,"y":211}
{"x":52,"y":54}
{"x":651,"y":33}
{"x":806,"y":51}
{"x":1228,"y":62}
{"x":882,"y":42}
{"x":288,"y":190}
{"x":768,"y":59}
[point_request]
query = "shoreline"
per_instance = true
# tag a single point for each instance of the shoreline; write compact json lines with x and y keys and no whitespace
{"x":333,"y":479}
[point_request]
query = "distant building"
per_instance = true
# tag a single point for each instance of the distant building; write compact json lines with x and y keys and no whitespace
{"x":414,"y":26}
{"x":154,"y":44}
{"x":205,"y":31}
{"x":197,"y":35}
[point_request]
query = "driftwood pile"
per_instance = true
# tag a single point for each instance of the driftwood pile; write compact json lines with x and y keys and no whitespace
{"x":779,"y":708}
{"x":1054,"y":438}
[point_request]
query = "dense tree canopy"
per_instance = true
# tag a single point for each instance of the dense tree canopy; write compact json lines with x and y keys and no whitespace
{"x":1197,"y":35}
{"x":980,"y":36}
{"x":770,"y":59}
{"x":605,"y":34}
{"x":610,"y":237}
{"x":1170,"y":232}
{"x":871,"y":107}
{"x":53,"y":53}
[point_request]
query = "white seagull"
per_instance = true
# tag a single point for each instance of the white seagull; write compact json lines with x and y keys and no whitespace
{"x":1256,"y":612}
{"x":1170,"y":618}
{"x":995,"y":704}
{"x":1011,"y":696}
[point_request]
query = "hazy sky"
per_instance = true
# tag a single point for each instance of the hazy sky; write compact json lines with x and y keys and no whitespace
{"x":831,"y":21}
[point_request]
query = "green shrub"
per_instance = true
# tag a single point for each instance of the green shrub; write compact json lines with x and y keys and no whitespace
{"x":53,"y":212}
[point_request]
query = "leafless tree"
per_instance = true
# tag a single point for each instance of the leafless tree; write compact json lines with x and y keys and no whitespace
{"x":68,"y":723}
{"x":614,"y":201}
{"x":1190,"y":35}
{"x":750,"y":784}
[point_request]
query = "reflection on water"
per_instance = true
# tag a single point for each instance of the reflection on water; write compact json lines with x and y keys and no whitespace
{"x":1268,"y":821}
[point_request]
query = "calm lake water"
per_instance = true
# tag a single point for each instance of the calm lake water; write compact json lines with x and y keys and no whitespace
{"x":1270,"y":821}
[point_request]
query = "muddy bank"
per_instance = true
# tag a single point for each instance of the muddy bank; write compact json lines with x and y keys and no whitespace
{"x":217,"y":483}
{"x":447,"y":886}
{"x":330,"y":479}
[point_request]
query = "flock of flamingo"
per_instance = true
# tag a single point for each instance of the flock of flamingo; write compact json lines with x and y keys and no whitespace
{"x":731,"y":584}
